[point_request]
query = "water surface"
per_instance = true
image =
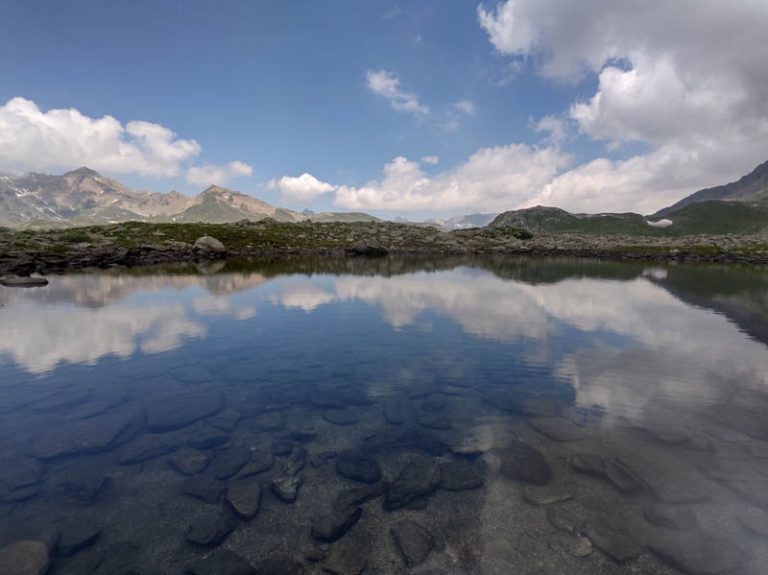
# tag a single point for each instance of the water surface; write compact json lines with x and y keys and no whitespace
{"x":561,"y":416}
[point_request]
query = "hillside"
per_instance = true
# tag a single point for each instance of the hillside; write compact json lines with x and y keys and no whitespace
{"x":541,"y":219}
{"x":752,"y":188}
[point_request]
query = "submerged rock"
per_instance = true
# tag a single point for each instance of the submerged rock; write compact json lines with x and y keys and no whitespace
{"x":336,"y":523}
{"x":82,"y":437}
{"x":171,"y":412}
{"x":205,"y":488}
{"x":24,"y":558}
{"x":261,"y":460}
{"x":270,"y":421}
{"x":413,"y":541}
{"x":341,"y":416}
{"x":226,"y":420}
{"x":620,"y":542}
{"x":245,"y":498}
{"x":149,"y":447}
{"x":207,"y":437}
{"x":355,"y":465}
{"x":81,"y":489}
{"x":423,"y":441}
{"x":435,"y":421}
{"x":359,"y":495}
{"x":281,"y":447}
{"x":549,"y":494}
{"x":228,"y":462}
{"x":212,"y":527}
{"x":296,"y":462}
{"x":613,"y":471}
{"x":523,"y":462}
{"x":557,"y":428}
{"x":286,"y":488}
{"x":420,"y":477}
{"x":188,"y":461}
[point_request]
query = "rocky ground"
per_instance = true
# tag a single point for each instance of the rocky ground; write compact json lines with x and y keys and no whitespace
{"x":24,"y":252}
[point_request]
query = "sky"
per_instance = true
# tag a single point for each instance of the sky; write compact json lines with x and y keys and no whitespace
{"x":426,"y":108}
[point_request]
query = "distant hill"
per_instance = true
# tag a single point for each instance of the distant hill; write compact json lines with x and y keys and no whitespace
{"x":752,"y":188}
{"x":85,"y":197}
{"x":541,"y":219}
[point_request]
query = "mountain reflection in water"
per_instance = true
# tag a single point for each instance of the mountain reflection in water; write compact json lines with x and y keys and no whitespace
{"x":580,"y":417}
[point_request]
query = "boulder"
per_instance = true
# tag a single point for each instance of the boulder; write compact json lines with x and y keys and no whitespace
{"x":209,"y":244}
{"x":370,"y":248}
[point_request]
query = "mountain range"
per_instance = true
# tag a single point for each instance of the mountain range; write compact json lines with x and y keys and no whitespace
{"x":85,"y":197}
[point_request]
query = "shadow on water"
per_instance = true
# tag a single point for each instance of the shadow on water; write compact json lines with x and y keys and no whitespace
{"x":393,"y":415}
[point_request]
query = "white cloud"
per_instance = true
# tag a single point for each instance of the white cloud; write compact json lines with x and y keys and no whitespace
{"x":492,"y":179}
{"x":553,"y":126}
{"x":387,"y":84}
{"x":305,"y":187}
{"x":454,"y":114}
{"x":31,"y":139}
{"x":211,"y":174}
{"x":465,"y":107}
{"x":685,"y":78}
{"x":431,"y":160}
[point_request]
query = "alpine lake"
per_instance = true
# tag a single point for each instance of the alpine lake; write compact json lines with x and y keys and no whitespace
{"x":385,"y":416}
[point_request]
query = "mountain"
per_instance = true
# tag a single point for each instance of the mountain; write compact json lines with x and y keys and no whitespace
{"x":464,"y":222}
{"x":752,"y":188}
{"x":84,"y":197}
{"x":541,"y":219}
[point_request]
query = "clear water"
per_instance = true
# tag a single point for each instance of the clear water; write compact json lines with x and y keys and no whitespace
{"x":557,"y":417}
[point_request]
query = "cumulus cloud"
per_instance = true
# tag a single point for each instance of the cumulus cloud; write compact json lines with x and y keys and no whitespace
{"x":209,"y":174}
{"x":387,"y":84}
{"x":305,"y":187}
{"x":491,"y":179}
{"x":685,"y":78}
{"x":31,"y":139}
{"x":431,"y":160}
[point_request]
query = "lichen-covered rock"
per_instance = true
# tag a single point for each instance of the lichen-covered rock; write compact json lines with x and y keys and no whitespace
{"x":209,"y":244}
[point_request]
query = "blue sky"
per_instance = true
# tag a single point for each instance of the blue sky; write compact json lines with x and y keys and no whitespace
{"x":357,"y":94}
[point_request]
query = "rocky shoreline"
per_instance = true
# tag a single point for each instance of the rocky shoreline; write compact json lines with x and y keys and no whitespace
{"x":26,"y":252}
